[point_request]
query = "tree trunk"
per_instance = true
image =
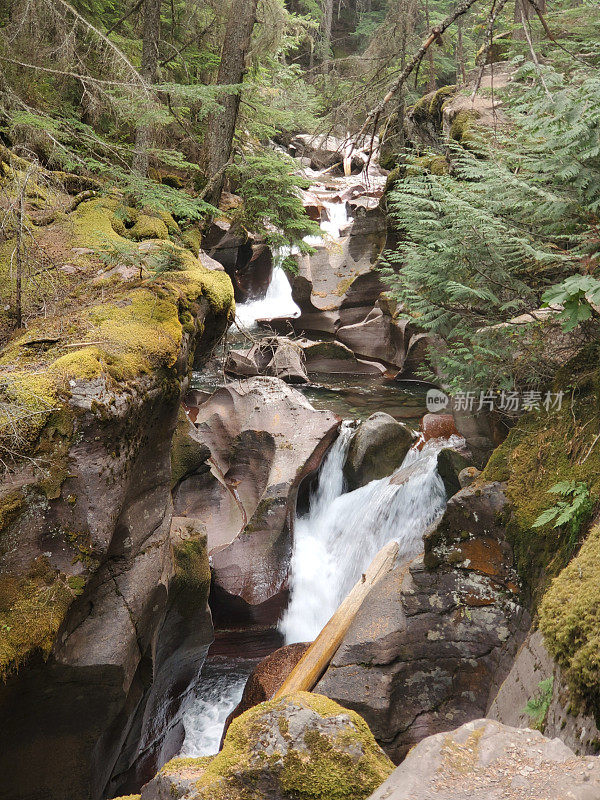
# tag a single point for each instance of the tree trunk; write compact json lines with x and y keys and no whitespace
{"x":431,"y":84}
{"x":149,"y":72}
{"x":326,"y":25}
{"x":220,"y":131}
{"x":524,"y":7}
{"x":461,"y":73}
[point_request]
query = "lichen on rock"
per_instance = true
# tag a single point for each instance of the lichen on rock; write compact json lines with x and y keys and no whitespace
{"x":302,"y":746}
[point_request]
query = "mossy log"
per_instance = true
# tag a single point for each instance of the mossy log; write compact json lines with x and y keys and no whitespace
{"x":312,"y":665}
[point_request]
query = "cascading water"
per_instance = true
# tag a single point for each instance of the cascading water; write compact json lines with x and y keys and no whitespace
{"x":277,"y":302}
{"x":342,"y":532}
{"x":217,"y":694}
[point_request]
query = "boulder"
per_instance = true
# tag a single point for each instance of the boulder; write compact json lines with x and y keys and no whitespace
{"x":334,"y":358}
{"x":377,"y":336}
{"x":438,"y":426}
{"x":467,"y":475}
{"x":376,"y":449}
{"x":560,"y":715}
{"x":188,"y":453}
{"x":450,"y":462}
{"x":325,"y":280}
{"x":94,"y":658}
{"x":434,"y":639}
{"x":266,"y":678}
{"x":264,"y":438}
{"x":324,"y":151}
{"x":490,"y":761}
{"x":301,"y":746}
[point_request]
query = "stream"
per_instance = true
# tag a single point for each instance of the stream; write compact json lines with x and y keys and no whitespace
{"x":338,"y":536}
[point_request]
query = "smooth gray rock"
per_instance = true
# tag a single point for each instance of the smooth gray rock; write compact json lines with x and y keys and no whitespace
{"x":377,"y":448}
{"x":486,"y":760}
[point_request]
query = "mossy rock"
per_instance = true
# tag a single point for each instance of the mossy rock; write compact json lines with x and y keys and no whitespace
{"x":461,"y":127}
{"x":191,"y":583}
{"x":569,"y":618}
{"x":302,"y":746}
{"x":188,"y":454}
{"x":542,"y":449}
{"x":428,"y":109}
{"x":148,"y":227}
{"x":433,"y":163}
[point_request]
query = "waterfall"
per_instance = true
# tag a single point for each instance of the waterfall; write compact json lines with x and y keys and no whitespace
{"x":277,"y":302}
{"x":218,"y":692}
{"x":343,"y":531}
{"x":338,"y":218}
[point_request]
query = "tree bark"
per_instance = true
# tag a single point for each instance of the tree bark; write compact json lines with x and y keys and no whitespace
{"x":220,"y":131}
{"x":149,"y":73}
{"x":326,"y":25}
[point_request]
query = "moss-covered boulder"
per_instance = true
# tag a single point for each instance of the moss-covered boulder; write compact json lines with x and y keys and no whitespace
{"x":94,"y":645}
{"x":543,"y":449}
{"x":570,"y":622}
{"x":302,"y":746}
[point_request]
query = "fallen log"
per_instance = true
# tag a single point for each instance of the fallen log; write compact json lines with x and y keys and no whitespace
{"x":312,"y":665}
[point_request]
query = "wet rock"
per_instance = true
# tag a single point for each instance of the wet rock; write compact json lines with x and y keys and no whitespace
{"x":563,"y":718}
{"x":438,"y":426}
{"x":450,"y":462}
{"x":376,"y":449}
{"x":334,"y":358}
{"x":467,"y":475}
{"x":267,"y":678}
{"x":264,"y":438}
{"x":487,"y":760}
{"x":324,"y":151}
{"x":377,"y":336}
{"x":434,"y":639}
{"x":301,"y":746}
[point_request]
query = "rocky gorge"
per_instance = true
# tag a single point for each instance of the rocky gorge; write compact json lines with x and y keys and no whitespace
{"x":212,"y":457}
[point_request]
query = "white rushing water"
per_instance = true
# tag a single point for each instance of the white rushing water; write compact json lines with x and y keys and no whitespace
{"x":216,"y":697}
{"x":343,"y":531}
{"x":277,"y":302}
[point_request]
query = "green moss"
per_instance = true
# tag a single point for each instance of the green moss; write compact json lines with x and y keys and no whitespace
{"x":346,"y":766}
{"x":541,"y":450}
{"x":84,"y":364}
{"x":461,"y":127}
{"x":432,"y":162}
{"x":147,"y":227}
{"x":11,"y":505}
{"x":129,"y":797}
{"x":191,"y":583}
{"x":428,"y":109}
{"x":187,"y":454}
{"x":32,"y":607}
{"x":569,"y":617}
{"x":192,"y":239}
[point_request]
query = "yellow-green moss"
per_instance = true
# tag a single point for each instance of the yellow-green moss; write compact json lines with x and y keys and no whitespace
{"x":462,"y":125}
{"x":429,"y":107}
{"x":192,"y":239}
{"x":129,"y":797}
{"x":32,"y":608}
{"x":84,"y":364}
{"x":541,"y":450}
{"x":569,"y":617}
{"x":327,"y":769}
{"x":148,"y":227}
